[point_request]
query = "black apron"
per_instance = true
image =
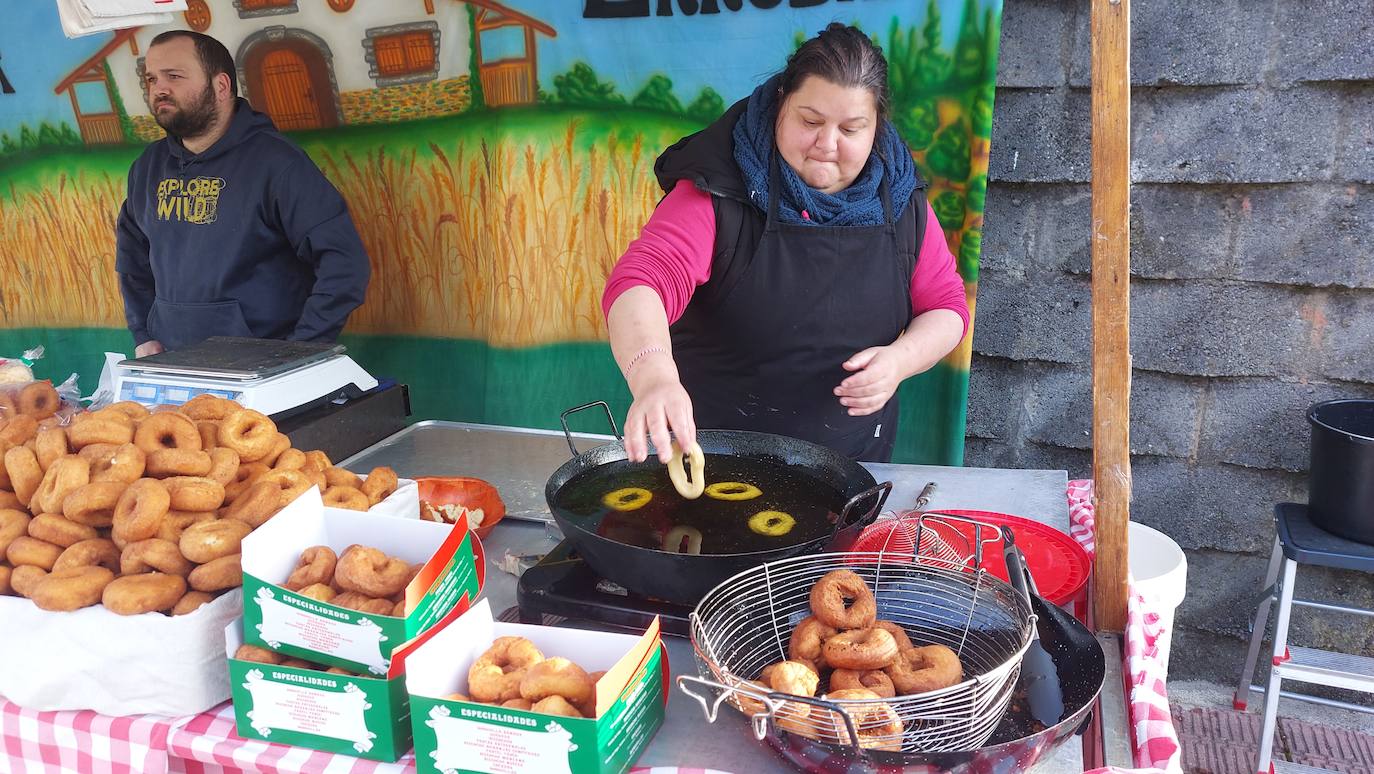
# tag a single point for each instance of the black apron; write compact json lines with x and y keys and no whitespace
{"x":761,"y":345}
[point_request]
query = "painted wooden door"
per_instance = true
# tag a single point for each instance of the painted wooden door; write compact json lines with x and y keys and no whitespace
{"x":288,"y":96}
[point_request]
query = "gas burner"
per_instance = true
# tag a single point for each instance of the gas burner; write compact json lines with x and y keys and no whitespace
{"x":563,"y":586}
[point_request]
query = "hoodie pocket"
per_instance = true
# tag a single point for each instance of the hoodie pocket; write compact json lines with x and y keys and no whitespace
{"x":181,"y":325}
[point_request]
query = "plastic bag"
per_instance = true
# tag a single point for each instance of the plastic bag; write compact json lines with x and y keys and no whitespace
{"x":40,"y":399}
{"x":19,"y":370}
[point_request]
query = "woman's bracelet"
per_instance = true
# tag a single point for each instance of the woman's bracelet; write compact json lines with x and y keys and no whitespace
{"x":640,"y":355}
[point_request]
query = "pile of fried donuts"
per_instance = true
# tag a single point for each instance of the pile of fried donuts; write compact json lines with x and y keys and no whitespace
{"x":514,"y":673}
{"x":361,"y":578}
{"x":842,"y":651}
{"x":36,"y":400}
{"x":145,"y":511}
{"x":271,"y":657}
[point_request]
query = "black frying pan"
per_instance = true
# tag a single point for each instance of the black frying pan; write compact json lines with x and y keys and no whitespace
{"x":685,"y":578}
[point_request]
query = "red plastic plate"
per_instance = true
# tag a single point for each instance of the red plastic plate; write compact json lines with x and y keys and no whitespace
{"x":1059,"y":565}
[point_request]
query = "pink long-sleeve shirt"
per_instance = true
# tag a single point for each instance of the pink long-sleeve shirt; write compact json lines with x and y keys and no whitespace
{"x":673,"y":256}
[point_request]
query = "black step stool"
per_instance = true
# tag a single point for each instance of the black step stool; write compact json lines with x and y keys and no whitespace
{"x":1299,"y":541}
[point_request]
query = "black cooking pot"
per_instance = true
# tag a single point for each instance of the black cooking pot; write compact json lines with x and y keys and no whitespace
{"x":1341,"y":478}
{"x":685,"y":578}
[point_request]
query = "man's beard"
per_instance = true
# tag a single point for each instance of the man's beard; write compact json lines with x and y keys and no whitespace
{"x":191,"y":120}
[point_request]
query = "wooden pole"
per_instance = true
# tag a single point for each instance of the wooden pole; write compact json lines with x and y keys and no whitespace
{"x":1111,"y":300}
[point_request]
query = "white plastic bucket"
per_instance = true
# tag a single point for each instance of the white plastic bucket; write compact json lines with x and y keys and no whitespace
{"x":1159,"y":571}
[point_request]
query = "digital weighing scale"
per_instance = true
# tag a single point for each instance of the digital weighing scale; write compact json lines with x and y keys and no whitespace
{"x":266,"y":375}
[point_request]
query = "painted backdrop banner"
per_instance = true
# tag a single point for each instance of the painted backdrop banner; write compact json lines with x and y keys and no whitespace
{"x":496,"y":156}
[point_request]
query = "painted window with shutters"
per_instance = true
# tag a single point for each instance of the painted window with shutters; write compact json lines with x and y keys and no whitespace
{"x":404,"y":53}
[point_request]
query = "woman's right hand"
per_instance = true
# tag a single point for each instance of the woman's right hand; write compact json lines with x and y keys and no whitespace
{"x":661,"y":406}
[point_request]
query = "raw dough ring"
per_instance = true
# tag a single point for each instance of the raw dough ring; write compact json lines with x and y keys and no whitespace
{"x":672,"y":542}
{"x":677,"y":471}
{"x":733,"y":490}
{"x":629,"y":498}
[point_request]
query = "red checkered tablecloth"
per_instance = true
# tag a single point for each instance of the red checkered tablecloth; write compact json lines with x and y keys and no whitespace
{"x":1155,"y":741}
{"x":82,"y":741}
{"x":208,"y":745}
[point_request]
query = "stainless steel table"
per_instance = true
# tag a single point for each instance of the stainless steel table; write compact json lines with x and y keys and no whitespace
{"x":519,"y":461}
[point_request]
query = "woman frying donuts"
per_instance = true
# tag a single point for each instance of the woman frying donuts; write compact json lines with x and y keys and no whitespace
{"x":793,"y":274}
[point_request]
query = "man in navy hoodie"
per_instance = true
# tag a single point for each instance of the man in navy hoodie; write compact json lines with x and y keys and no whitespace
{"x":228,"y":229}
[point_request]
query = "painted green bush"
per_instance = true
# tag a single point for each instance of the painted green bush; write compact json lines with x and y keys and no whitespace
{"x":580,"y":86}
{"x":657,"y":94}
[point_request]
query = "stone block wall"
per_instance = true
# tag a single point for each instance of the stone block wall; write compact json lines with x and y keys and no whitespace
{"x":1252,"y":250}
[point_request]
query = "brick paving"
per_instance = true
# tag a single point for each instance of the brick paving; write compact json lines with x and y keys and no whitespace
{"x":1224,"y":741}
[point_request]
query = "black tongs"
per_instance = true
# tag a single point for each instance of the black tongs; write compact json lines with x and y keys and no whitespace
{"x":1038,"y":672}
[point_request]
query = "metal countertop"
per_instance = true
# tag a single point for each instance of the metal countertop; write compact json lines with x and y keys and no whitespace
{"x":519,"y":461}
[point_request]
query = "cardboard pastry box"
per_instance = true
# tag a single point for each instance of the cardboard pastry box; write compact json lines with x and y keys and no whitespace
{"x":361,"y":715}
{"x":463,"y":736}
{"x":295,"y":625}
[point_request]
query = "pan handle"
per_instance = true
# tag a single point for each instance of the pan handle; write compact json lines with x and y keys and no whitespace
{"x":843,"y":522}
{"x":568,"y":433}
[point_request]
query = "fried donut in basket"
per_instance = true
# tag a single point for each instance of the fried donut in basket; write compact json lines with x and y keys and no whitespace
{"x":877,"y":724}
{"x":807,"y":638}
{"x":874,"y":680}
{"x":923,"y":669}
{"x":842,"y":599}
{"x":861,"y":649}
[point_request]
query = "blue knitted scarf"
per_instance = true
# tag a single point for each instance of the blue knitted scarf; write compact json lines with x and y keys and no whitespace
{"x":857,"y":205}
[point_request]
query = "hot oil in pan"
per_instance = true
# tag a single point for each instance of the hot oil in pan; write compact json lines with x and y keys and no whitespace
{"x":723,"y":524}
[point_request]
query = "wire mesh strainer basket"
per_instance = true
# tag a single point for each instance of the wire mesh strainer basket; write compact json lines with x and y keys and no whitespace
{"x":744,"y":624}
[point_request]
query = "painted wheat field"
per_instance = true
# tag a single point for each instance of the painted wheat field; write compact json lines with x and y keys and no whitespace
{"x":57,"y":253}
{"x":507,"y":241}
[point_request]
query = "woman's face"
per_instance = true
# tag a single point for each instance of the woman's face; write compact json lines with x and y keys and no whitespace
{"x":825,"y":132}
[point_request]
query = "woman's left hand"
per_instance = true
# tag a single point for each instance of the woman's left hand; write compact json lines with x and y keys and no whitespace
{"x":878,"y":373}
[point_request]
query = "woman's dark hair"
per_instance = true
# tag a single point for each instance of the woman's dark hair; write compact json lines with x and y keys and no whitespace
{"x":844,"y":56}
{"x":214,"y":57}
